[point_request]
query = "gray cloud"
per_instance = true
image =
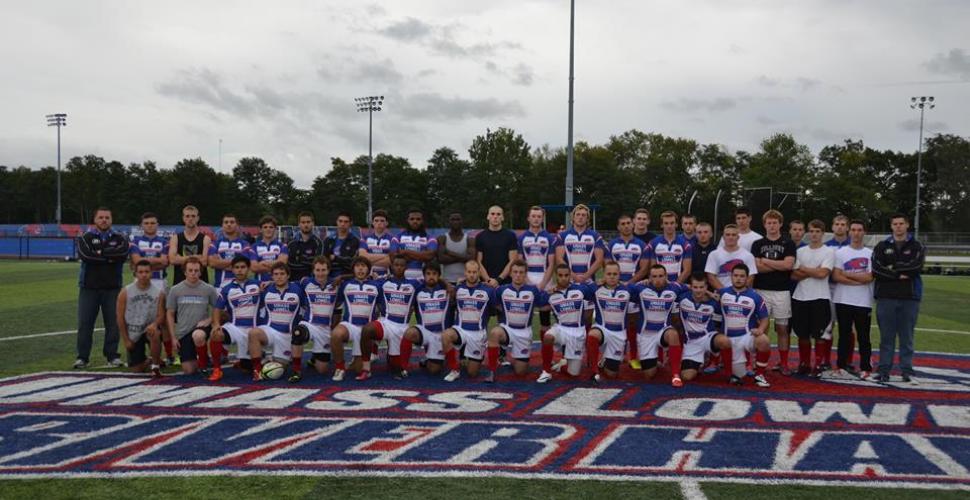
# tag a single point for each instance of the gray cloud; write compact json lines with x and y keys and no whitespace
{"x":688,"y":105}
{"x":912,"y":125}
{"x":802,"y":83}
{"x":523,"y":74}
{"x":765,"y":120}
{"x":383,"y":72}
{"x":806,"y":84}
{"x":955,"y":62}
{"x":766,"y":81}
{"x":408,"y":30}
{"x":202,"y":86}
{"x":434,"y":106}
{"x":441,"y":40}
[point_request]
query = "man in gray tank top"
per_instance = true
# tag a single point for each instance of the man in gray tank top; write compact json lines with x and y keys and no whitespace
{"x":454,"y":249}
{"x":141,"y":314}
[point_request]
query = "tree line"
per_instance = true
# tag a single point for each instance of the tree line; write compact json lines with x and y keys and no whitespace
{"x":632,"y":169}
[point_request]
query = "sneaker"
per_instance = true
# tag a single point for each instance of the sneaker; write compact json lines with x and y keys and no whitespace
{"x":156,"y":371}
{"x":544,"y":377}
{"x":296,"y":377}
{"x":761,"y":381}
{"x":170,"y":361}
{"x":676,"y":381}
{"x":363,"y":375}
{"x":216,"y":374}
{"x":558,"y":365}
{"x":490,"y":378}
{"x":804,"y":369}
{"x":883,"y":378}
{"x":400,"y":374}
{"x":338,"y":375}
{"x":116,"y":363}
{"x":851,"y":370}
{"x":635,"y":364}
{"x":596,"y":378}
{"x":452,"y":376}
{"x":257,"y":376}
{"x":824,"y":367}
{"x":736,"y":380}
{"x":817,"y":372}
{"x":910,"y":379}
{"x":865,"y":374}
{"x":80,"y":364}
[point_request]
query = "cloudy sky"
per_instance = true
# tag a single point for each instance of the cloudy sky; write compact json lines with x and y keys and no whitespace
{"x":164,"y":81}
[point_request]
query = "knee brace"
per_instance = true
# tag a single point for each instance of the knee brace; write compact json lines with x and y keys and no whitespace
{"x":301,"y":335}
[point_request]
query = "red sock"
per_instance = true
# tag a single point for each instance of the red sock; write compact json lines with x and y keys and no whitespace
{"x":257,"y":364}
{"x":783,"y":355}
{"x":168,"y":349}
{"x":761,"y":362}
{"x":202,"y":356}
{"x":631,"y":340}
{"x":547,"y":350}
{"x":451,"y":357}
{"x":405,"y":358}
{"x":593,"y":353}
{"x":827,"y":351}
{"x":340,"y":364}
{"x":374,"y":348}
{"x":676,"y":355}
{"x":297,"y":364}
{"x":804,"y":352}
{"x":819,"y":352}
{"x":727,"y":356}
{"x":492,"y":358}
{"x":394,"y":361}
{"x":215,"y":348}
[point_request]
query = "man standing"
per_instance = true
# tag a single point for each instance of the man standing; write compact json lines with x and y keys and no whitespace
{"x":688,"y":228}
{"x":746,"y":236}
{"x":641,"y":225}
{"x":775,"y":257}
{"x":268,"y":250}
{"x":342,"y":247}
{"x":102,"y":252}
{"x":703,"y":248}
{"x":303,"y":249}
{"x":671,"y":250}
{"x":454,"y":249}
{"x":796,"y":231}
{"x":853,"y":300}
{"x":229,"y":244}
{"x":840,"y":232}
{"x":897,"y":263}
{"x":810,"y":302}
{"x":537,"y":248}
{"x":415,"y":245}
{"x":628,"y":251}
{"x":152,"y":248}
{"x":581,"y":247}
{"x":496,"y":248}
{"x":378,"y":245}
{"x":141,"y":314}
{"x":190,"y":241}
{"x":721,"y":262}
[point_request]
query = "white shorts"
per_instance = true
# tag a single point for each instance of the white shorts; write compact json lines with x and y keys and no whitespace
{"x":239,"y":337}
{"x":354,"y":332}
{"x":473,"y":343}
{"x":697,"y":349}
{"x":277,"y":342}
{"x":648,"y":344}
{"x":393,"y":333}
{"x":571,"y":338}
{"x":320,"y":336}
{"x":778,"y":303}
{"x":432,"y":343}
{"x":614,"y":343}
{"x":740,"y":345}
{"x":520,"y":341}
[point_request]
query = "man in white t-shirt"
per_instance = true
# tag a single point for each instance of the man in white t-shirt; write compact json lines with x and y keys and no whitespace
{"x":852,"y":274}
{"x":811,"y":300}
{"x":746,"y":237}
{"x":721,"y":262}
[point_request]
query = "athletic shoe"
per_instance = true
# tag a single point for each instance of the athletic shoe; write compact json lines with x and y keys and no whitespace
{"x":865,"y":374}
{"x":676,"y":381}
{"x":596,"y":378}
{"x":817,"y":372}
{"x":635,"y":364}
{"x":257,"y":376}
{"x":824,"y":367}
{"x":452,"y":376}
{"x":804,"y":369}
{"x":400,"y":374}
{"x":170,"y":361}
{"x":736,"y":380}
{"x":558,"y":365}
{"x":204,"y":372}
{"x":156,"y":371}
{"x":544,"y":377}
{"x":338,"y":375}
{"x":883,"y":378}
{"x":363,"y":375}
{"x":851,"y":370}
{"x":80,"y":364}
{"x":116,"y":363}
{"x":910,"y":379}
{"x":296,"y":377}
{"x":216,"y":374}
{"x":761,"y":381}
{"x":490,"y":378}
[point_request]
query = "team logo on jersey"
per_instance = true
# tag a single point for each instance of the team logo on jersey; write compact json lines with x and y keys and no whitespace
{"x":857,"y":264}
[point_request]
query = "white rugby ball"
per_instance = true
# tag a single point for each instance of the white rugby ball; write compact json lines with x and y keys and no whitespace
{"x":273,"y":370}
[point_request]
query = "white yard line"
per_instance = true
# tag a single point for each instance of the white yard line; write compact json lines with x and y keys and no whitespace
{"x":48,"y":334}
{"x":691,"y":490}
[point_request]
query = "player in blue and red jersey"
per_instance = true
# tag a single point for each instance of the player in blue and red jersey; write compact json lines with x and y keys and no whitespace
{"x":567,"y":301}
{"x":268,"y":250}
{"x":537,"y":248}
{"x":320,"y":294}
{"x":283,"y":305}
{"x":358,"y":296}
{"x":378,"y":246}
{"x":701,"y":320}
{"x":229,"y":244}
{"x":515,"y":301}
{"x":745,"y":323}
{"x":474,"y":303}
{"x":580,"y":247}
{"x":656,"y":301}
{"x":671,"y":250}
{"x":396,"y":301}
{"x":611,"y":304}
{"x":240,"y":302}
{"x":415,"y":245}
{"x":431,"y":312}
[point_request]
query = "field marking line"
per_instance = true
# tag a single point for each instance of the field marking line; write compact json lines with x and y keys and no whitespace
{"x":933,"y":330}
{"x":48,"y":334}
{"x":691,"y":490}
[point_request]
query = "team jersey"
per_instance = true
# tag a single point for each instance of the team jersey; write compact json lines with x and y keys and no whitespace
{"x":699,"y":318}
{"x":397,"y":298}
{"x":569,"y":305}
{"x":378,"y":245}
{"x":628,"y":255}
{"x":282,"y":309}
{"x":359,"y":299}
{"x":518,"y":303}
{"x":241,"y":302}
{"x":836,"y":244}
{"x":741,"y":310}
{"x":416,"y":242}
{"x":152,"y":247}
{"x":657,"y":307}
{"x":610,"y":306}
{"x":579,"y":248}
{"x":263,"y":251}
{"x":226,"y":249}
{"x":534,"y":249}
{"x":671,"y":254}
{"x":474,"y":306}
{"x":321,"y":299}
{"x":431,"y":308}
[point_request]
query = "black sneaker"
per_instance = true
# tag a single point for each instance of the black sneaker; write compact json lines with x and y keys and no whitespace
{"x":907,"y":378}
{"x":824,"y":367}
{"x":80,"y":364}
{"x":883,"y":378}
{"x":736,"y":380}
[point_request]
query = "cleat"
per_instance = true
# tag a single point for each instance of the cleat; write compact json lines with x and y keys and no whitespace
{"x":216,"y":374}
{"x":170,"y":361}
{"x":296,"y":377}
{"x":362,"y":376}
{"x":676,"y":381}
{"x":761,"y":381}
{"x":80,"y":364}
{"x":338,"y":375}
{"x":910,"y":379}
{"x":736,"y":380}
{"x":452,"y":376}
{"x":817,"y":372}
{"x":490,"y":378}
{"x":865,"y":374}
{"x":558,"y":365}
{"x":156,"y":371}
{"x":596,"y":378}
{"x":400,"y":374}
{"x":804,"y":369}
{"x":635,"y":364}
{"x":883,"y":378}
{"x":544,"y":377}
{"x":116,"y":363}
{"x":257,"y":376}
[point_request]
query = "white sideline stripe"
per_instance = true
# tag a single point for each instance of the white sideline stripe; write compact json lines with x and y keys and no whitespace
{"x":48,"y":334}
{"x":691,"y":490}
{"x":933,"y":330}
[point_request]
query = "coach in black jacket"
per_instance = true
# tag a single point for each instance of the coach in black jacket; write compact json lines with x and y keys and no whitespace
{"x":103,"y":253}
{"x":341,"y":247}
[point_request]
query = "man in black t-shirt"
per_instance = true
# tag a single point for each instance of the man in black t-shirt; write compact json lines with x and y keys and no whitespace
{"x":704,"y":246}
{"x":496,"y":248}
{"x":775,"y":256}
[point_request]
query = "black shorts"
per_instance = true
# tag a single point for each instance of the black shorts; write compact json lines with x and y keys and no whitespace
{"x":136,"y":355}
{"x":320,"y":357}
{"x":187,"y":348}
{"x":689,"y":364}
{"x":810,"y":318}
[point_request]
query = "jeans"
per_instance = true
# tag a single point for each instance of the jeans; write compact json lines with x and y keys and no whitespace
{"x":89,"y":301}
{"x":861,"y":319}
{"x":897,"y":318}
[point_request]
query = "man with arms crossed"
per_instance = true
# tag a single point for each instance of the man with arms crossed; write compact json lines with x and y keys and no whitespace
{"x":774,"y":256}
{"x":268,"y":250}
{"x":415,"y":245}
{"x":187,"y":313}
{"x":641,"y":225}
{"x":721,"y":262}
{"x":141,"y":314}
{"x":377,"y":246}
{"x":303,"y":249}
{"x":581,"y":248}
{"x":671,"y":250}
{"x":190,"y":241}
{"x":853,"y":301}
{"x":454,"y":249}
{"x":688,"y":228}
{"x":811,"y":300}
{"x":702,"y":248}
{"x":229,"y":244}
{"x":342,"y":247}
{"x":746,"y":236}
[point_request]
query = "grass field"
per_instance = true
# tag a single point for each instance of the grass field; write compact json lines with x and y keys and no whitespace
{"x":40,"y":297}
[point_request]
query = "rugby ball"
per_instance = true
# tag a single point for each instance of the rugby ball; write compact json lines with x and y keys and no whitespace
{"x":273,"y":370}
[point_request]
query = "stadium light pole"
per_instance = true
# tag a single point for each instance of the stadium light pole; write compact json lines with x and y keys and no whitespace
{"x":921,"y":103}
{"x":58,"y":120}
{"x":370,"y":104}
{"x":569,"y":139}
